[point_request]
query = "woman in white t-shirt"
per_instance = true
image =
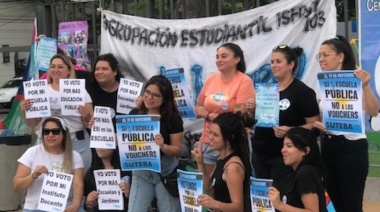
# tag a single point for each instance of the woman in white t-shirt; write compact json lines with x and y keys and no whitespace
{"x":62,"y":68}
{"x":55,"y":153}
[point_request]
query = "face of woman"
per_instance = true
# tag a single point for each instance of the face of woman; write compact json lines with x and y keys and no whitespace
{"x":104,"y":73}
{"x":226,"y":60}
{"x":53,"y":135}
{"x":280,"y":66}
{"x":152,"y":97}
{"x":329,"y":60}
{"x":58,"y":70}
{"x":292,"y":155}
{"x":104,"y":153}
{"x":216,"y":138}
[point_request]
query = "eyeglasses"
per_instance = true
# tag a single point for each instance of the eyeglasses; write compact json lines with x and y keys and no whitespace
{"x":147,"y":93}
{"x":323,"y":54}
{"x":55,"y":131}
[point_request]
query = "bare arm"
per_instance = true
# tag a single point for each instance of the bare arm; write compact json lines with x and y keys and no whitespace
{"x":174,"y":149}
{"x":25,"y":177}
{"x":310,"y":201}
{"x":77,"y":190}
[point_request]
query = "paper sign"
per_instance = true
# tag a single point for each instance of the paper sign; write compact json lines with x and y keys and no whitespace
{"x":128,"y":92}
{"x":36,"y":92}
{"x":102,"y":132}
{"x":110,"y":196}
{"x":72,"y":94}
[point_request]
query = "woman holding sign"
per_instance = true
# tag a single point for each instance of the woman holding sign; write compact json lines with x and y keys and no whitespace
{"x":105,"y":83}
{"x":104,"y":159}
{"x":228,"y":90}
{"x":346,"y":155}
{"x":62,"y":68}
{"x":298,"y":107}
{"x":54,"y":154}
{"x":158,"y":99}
{"x":228,"y":183}
{"x":305,"y":191}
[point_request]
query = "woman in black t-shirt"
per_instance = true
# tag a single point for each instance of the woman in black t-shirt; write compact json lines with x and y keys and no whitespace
{"x":305,"y":190}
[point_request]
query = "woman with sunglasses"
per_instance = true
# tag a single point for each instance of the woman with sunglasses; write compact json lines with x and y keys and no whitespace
{"x":346,"y":155}
{"x":227,"y":90}
{"x":305,"y":192}
{"x":158,"y":99}
{"x":62,"y":68}
{"x":55,"y":153}
{"x":298,"y":107}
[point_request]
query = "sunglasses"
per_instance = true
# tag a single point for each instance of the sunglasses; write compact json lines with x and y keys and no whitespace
{"x":282,"y":46}
{"x":55,"y":131}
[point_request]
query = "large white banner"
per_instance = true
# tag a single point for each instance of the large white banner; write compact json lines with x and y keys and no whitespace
{"x":145,"y":47}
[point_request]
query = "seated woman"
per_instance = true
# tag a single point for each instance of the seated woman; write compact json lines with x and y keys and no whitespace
{"x":228,"y":184}
{"x":104,"y":159}
{"x":53,"y":154}
{"x":305,"y":191}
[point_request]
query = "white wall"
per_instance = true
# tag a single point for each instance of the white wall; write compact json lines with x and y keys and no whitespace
{"x":16,"y":23}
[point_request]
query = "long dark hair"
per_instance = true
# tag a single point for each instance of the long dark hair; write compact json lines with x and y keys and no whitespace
{"x":97,"y":162}
{"x":303,"y":138}
{"x":341,"y":45}
{"x":168,"y":106}
{"x":291,"y":54}
{"x":234,"y":133}
{"x":238,"y":52}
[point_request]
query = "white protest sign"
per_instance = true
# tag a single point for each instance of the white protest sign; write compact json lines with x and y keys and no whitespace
{"x":128,"y":92}
{"x":110,"y":196}
{"x":55,"y":191}
{"x":36,"y":92}
{"x":72,"y":94}
{"x":102,"y":132}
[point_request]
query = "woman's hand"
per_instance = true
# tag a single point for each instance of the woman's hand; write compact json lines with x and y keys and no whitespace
{"x":25,"y":104}
{"x":274,"y":197}
{"x":159,"y":141}
{"x":72,"y":208}
{"x":125,"y":187}
{"x":197,"y":153}
{"x":91,"y":122}
{"x":200,"y":112}
{"x":250,"y":105}
{"x":208,"y":202}
{"x":363,"y":76}
{"x":139,"y":101}
{"x":40,"y":169}
{"x":92,"y":199}
{"x":319,"y":125}
{"x":280,"y":131}
{"x":86,"y":115}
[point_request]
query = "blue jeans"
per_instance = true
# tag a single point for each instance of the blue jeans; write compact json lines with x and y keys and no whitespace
{"x":146,"y":185}
{"x":83,"y":148}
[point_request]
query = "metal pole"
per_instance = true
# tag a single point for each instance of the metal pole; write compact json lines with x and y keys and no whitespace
{"x":346,"y":19}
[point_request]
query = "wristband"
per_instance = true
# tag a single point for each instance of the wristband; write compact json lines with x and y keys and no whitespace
{"x":34,"y":177}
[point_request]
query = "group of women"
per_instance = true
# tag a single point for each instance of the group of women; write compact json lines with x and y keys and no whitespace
{"x":288,"y":154}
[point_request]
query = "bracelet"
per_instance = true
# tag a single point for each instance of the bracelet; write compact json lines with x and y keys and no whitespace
{"x":34,"y":177}
{"x":208,"y":115}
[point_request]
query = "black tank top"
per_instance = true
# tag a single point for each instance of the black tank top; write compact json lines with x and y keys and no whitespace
{"x":221,"y":192}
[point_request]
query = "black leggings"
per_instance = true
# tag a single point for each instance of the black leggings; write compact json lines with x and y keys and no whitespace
{"x":346,"y":163}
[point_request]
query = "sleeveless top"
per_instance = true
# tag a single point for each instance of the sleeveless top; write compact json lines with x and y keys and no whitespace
{"x":221,"y":192}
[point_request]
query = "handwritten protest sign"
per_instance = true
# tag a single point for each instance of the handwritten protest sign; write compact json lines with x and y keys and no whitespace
{"x":190,"y":186}
{"x":267,"y":111}
{"x":110,"y":196}
{"x":137,"y":147}
{"x":341,"y":100}
{"x":102,"y":132}
{"x":36,"y":92}
{"x":181,"y":92}
{"x":72,"y":94}
{"x":46,"y":49}
{"x":55,"y":191}
{"x":128,"y":92}
{"x":259,"y":195}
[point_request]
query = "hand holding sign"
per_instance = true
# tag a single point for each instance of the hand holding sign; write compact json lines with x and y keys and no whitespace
{"x":92,"y":199}
{"x":274,"y":197}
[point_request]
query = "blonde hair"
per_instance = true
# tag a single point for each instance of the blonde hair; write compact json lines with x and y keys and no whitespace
{"x":67,"y":164}
{"x":66,"y":60}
